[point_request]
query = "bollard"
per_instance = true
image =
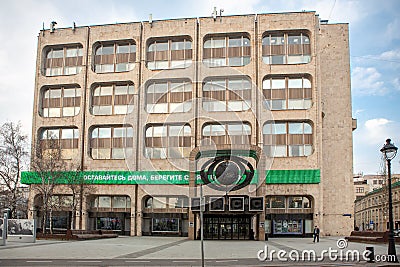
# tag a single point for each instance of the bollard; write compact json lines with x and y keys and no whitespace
{"x":371,"y":256}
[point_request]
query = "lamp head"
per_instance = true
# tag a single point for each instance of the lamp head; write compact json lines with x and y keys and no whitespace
{"x":389,"y":150}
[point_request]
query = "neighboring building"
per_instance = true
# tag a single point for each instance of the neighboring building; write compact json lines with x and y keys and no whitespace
{"x":259,"y":105}
{"x":361,"y":188}
{"x":371,"y":211}
{"x":371,"y":204}
{"x":364,"y":184}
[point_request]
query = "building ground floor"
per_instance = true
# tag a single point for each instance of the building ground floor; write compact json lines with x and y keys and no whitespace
{"x":225,"y":217}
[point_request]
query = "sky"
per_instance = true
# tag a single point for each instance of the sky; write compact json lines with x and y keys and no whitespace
{"x":374,"y":53}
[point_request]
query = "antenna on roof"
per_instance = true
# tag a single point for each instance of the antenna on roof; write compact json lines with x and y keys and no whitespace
{"x":52,"y":25}
{"x":151,"y":20}
{"x":214,"y":13}
{"x":220,"y":14}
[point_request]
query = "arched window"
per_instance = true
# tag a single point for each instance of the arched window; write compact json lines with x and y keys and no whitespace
{"x":168,"y":141}
{"x":292,"y":92}
{"x":286,"y":48}
{"x":168,"y":96}
{"x":227,"y":94}
{"x":60,"y":101}
{"x":64,"y":60}
{"x":111,"y":142}
{"x":227,"y":133}
{"x":112,"y":99}
{"x":165,"y":53}
{"x":232,"y":50}
{"x":288,"y":139}
{"x":62,"y":141}
{"x":114,"y":56}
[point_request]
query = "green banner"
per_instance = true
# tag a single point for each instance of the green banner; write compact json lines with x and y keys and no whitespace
{"x":312,"y":176}
{"x":114,"y":177}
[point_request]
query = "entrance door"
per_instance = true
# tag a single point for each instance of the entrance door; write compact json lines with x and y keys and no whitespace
{"x":227,"y":227}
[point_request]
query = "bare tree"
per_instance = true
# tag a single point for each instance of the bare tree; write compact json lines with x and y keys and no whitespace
{"x":80,"y":189}
{"x":13,"y":159}
{"x":49,"y":168}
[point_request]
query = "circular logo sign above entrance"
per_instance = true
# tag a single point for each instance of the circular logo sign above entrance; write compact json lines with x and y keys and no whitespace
{"x":227,"y":173}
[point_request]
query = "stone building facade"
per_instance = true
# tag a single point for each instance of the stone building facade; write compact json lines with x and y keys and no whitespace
{"x":371,"y":212}
{"x":253,"y":112}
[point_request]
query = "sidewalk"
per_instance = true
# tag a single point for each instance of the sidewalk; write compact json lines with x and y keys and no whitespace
{"x":179,"y":250}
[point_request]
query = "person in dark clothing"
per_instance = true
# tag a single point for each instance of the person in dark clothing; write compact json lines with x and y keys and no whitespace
{"x":316,"y":234}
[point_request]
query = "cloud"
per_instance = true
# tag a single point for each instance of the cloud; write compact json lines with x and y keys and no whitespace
{"x":391,"y":55}
{"x":359,"y":111}
{"x":376,"y":131}
{"x":367,"y":81}
{"x":368,"y":139}
{"x":393,"y":30}
{"x":396,"y":84}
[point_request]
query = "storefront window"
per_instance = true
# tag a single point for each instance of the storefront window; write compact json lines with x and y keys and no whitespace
{"x":267,"y":202}
{"x":295,"y":202}
{"x":60,"y":222}
{"x":288,"y":226}
{"x":278,"y":202}
{"x":165,"y":225}
{"x":119,"y":202}
{"x":159,"y":203}
{"x":107,"y":223}
{"x":104,"y":202}
{"x":306,"y":203}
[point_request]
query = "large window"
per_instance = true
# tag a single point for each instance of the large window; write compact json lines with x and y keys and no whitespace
{"x":288,"y":226}
{"x":109,"y":223}
{"x":168,"y":141}
{"x":165,"y":225}
{"x":63,"y":101}
{"x":115,"y":57}
{"x":171,"y":202}
{"x":66,"y":60}
{"x":169,"y":53}
{"x":226,"y":133}
{"x":112,"y":99}
{"x":226,"y":51}
{"x":168,"y":96}
{"x":283,"y":139}
{"x":63,"y":141}
{"x":286,"y":48}
{"x":111,"y":142}
{"x":287,"y":92}
{"x":114,"y":202}
{"x":226,"y":94}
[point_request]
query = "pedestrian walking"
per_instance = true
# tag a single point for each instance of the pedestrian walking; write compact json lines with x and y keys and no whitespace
{"x":316,"y":234}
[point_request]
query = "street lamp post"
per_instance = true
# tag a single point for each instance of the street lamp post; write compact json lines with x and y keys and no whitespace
{"x":389,"y":150}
